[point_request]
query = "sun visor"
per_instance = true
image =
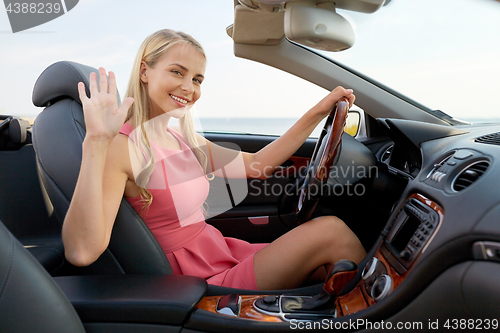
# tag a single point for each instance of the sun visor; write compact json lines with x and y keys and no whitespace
{"x":274,"y":6}
{"x":257,"y":27}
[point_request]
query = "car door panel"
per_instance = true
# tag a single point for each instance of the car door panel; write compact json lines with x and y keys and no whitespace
{"x":22,"y":207}
{"x":256,"y":219}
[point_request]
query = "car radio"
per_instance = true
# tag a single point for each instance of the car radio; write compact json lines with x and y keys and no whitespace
{"x":412,"y":229}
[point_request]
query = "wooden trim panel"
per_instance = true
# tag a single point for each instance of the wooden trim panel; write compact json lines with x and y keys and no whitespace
{"x":247,"y":311}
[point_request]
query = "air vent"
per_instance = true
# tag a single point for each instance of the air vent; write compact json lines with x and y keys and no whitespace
{"x":435,"y":173}
{"x":386,"y":154}
{"x":491,"y":139}
{"x":443,"y":161}
{"x":469,"y":175}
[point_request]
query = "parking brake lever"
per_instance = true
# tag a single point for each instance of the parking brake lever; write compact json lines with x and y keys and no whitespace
{"x":339,"y":275}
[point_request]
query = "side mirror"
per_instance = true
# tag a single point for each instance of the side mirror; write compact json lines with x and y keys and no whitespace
{"x":352,"y":124}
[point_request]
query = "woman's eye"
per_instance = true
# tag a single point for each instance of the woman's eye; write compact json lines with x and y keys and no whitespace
{"x":175,"y":71}
{"x":197,"y":80}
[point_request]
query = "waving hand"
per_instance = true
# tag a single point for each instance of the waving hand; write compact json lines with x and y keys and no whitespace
{"x":103,"y":117}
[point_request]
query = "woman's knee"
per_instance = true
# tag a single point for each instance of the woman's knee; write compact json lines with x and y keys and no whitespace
{"x":331,"y":228}
{"x":335,"y":235}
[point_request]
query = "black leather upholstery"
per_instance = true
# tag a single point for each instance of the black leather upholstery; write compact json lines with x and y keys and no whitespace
{"x":30,"y":301}
{"x":151,"y":299}
{"x":58,"y":133}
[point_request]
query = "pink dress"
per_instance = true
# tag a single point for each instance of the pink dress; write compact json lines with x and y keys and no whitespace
{"x":193,"y":247}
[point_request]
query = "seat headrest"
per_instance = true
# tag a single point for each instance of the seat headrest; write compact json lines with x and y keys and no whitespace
{"x":61,"y":80}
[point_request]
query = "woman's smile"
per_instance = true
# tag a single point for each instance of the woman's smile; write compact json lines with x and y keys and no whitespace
{"x":182,"y":102}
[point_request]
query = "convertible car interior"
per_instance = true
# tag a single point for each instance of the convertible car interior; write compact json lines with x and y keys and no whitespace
{"x":419,"y":188}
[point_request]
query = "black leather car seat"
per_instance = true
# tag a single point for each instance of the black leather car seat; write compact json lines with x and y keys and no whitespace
{"x":58,"y":133}
{"x":30,"y":301}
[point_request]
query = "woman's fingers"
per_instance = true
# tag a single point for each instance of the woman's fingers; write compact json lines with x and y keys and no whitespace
{"x":99,"y":92}
{"x":112,"y":83}
{"x":81,"y":92}
{"x":347,"y":93}
{"x":103,"y":80}
{"x":93,"y":84}
{"x":351,"y":99}
{"x":127,"y":103}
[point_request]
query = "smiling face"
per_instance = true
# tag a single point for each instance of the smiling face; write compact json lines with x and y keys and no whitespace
{"x":175,"y":80}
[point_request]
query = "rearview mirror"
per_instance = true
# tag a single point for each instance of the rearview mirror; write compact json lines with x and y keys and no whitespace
{"x":319,"y":28}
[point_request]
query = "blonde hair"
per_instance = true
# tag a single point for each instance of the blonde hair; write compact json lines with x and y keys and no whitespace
{"x":151,"y":50}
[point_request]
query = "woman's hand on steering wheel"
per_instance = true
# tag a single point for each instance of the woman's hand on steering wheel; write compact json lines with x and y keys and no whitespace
{"x":103,"y":117}
{"x":326,"y":105}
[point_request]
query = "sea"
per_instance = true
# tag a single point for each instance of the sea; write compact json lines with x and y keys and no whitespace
{"x":271,"y":126}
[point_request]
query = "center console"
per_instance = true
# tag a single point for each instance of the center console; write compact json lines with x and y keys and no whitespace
{"x":407,"y":236}
{"x":133,"y":303}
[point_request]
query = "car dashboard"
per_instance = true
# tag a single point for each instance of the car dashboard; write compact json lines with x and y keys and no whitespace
{"x":445,"y":216}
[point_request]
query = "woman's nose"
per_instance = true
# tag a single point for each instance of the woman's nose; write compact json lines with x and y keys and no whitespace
{"x":187,"y":85}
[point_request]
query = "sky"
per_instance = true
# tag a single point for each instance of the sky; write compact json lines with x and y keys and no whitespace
{"x":447,"y":58}
{"x":456,"y":62}
{"x":108,"y":33}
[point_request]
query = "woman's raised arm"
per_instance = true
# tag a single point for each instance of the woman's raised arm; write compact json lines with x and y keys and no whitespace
{"x":88,"y":223}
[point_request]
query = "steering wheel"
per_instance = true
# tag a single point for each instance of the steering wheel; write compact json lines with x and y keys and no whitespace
{"x":325,"y":155}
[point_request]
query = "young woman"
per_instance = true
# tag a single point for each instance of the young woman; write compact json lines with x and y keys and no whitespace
{"x":165,"y":82}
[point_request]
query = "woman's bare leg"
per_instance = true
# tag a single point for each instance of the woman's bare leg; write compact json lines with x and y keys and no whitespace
{"x":291,"y":259}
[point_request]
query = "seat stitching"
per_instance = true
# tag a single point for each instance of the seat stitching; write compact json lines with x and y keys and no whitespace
{"x":51,"y":180}
{"x":9,"y":270}
{"x":75,"y":121}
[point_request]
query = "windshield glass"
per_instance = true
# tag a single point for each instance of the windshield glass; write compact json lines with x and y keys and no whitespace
{"x":238,"y":95}
{"x":443,"y":54}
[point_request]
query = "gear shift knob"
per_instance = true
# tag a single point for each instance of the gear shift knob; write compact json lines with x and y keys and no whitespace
{"x":339,"y":275}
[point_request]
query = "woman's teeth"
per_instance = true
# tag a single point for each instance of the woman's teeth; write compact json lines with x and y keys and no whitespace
{"x":180,"y":100}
